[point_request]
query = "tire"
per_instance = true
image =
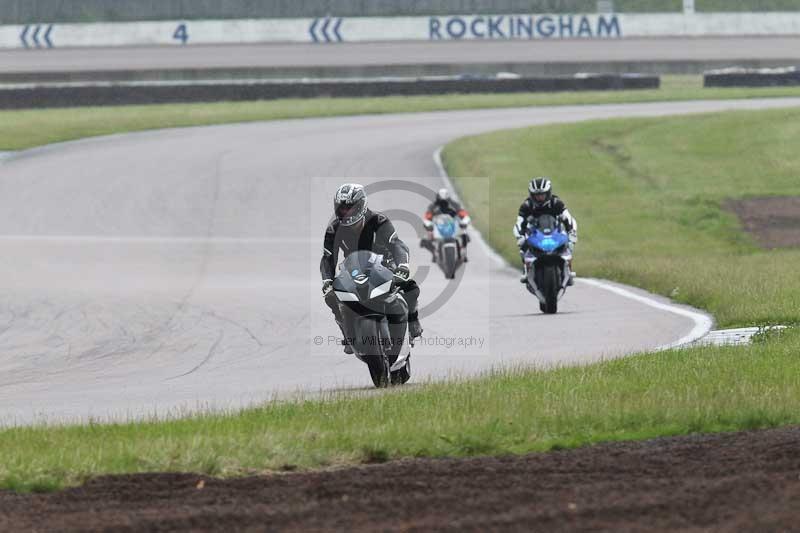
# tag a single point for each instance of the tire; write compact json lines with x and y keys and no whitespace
{"x":400,"y":377}
{"x":450,"y":262}
{"x":374,"y":353}
{"x":379,"y":370}
{"x":550,"y":286}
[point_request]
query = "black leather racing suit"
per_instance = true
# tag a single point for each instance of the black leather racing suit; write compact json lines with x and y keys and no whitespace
{"x":555,"y":208}
{"x":377,"y":234}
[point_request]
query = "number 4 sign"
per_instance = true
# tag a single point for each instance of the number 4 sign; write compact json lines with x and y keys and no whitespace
{"x":181,"y":34}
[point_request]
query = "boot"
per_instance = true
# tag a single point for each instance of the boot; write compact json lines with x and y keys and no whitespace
{"x":571,"y":281}
{"x":347,"y":348}
{"x":524,"y":277}
{"x":414,"y":327}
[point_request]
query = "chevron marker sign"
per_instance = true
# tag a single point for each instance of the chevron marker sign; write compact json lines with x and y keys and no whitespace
{"x":36,"y":36}
{"x":326,"y":30}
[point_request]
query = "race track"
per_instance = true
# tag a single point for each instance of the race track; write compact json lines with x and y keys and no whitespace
{"x":167,"y":271}
{"x":401,"y":53}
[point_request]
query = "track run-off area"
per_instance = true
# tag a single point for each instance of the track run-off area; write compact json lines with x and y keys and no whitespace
{"x":501,"y":53}
{"x":171,"y":271}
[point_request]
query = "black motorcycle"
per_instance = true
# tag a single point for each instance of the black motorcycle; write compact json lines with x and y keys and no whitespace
{"x":375,"y":316}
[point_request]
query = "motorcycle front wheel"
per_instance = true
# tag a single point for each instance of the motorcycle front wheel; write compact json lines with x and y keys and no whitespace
{"x":369,"y":344}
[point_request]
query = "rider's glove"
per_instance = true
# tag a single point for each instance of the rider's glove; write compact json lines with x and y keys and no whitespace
{"x":402,"y":273}
{"x":327,"y":286}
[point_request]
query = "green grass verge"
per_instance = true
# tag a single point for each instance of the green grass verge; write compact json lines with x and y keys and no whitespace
{"x":673,"y":393}
{"x":648,"y":197}
{"x":29,"y":128}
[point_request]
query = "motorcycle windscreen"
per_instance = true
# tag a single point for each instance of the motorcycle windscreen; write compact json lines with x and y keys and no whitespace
{"x":445,"y":226}
{"x":362,"y":272}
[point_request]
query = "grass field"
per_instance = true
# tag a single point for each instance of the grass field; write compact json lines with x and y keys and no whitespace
{"x":29,"y":128}
{"x":648,"y":196}
{"x":670,"y":175}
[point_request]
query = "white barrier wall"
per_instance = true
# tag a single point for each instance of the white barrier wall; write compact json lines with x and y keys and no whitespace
{"x":355,"y":29}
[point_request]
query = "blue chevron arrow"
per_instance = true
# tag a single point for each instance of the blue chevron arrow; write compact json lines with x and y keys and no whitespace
{"x":325,"y":30}
{"x":336,"y":29}
{"x":47,"y":36}
{"x":24,"y":36}
{"x":312,"y":30}
{"x":36,"y":37}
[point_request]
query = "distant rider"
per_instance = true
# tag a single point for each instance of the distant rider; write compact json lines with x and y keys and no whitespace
{"x":355,"y":227}
{"x":542,"y":201}
{"x":444,"y":204}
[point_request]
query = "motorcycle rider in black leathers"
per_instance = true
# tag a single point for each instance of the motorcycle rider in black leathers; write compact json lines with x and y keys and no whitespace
{"x":355,"y":227}
{"x":542,"y":201}
{"x":445,"y":204}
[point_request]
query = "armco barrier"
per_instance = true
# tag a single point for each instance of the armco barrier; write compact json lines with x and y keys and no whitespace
{"x":752,"y":78}
{"x":76,"y":95}
{"x":525,"y":70}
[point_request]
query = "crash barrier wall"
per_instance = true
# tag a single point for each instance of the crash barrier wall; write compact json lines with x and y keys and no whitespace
{"x":20,"y":97}
{"x":753,"y":78}
{"x":30,"y":11}
{"x":331,"y":30}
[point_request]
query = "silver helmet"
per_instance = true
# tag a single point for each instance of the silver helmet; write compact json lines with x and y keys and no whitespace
{"x":350,"y":203}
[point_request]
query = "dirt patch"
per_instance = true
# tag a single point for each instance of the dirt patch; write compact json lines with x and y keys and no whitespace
{"x":730,"y":482}
{"x":774,"y":222}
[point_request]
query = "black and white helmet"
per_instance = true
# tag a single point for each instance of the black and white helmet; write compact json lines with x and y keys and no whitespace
{"x":442,"y":195}
{"x":541,"y":191}
{"x":350,"y":203}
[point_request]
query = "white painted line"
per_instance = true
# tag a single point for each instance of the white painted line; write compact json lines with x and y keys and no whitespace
{"x":702,"y":322}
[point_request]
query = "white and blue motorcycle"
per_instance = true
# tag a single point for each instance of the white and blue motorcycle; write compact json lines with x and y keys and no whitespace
{"x":546,"y":254}
{"x":446,"y":244}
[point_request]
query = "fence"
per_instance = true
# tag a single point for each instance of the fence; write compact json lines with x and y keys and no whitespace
{"x":38,"y":11}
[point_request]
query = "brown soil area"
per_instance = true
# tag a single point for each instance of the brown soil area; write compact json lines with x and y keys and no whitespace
{"x":775,"y":222}
{"x":746,"y":481}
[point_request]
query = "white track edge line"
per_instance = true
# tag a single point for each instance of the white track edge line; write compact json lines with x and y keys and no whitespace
{"x":702,"y":322}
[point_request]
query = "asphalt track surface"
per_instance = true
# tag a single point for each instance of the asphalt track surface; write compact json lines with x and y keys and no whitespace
{"x":168,"y":271}
{"x":400,"y":53}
